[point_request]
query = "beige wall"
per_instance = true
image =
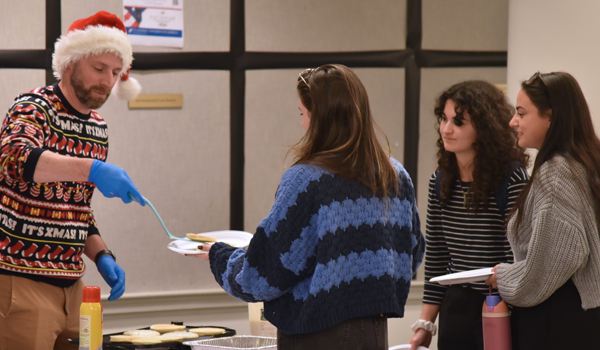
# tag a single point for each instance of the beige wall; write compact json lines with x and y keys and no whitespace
{"x":562,"y":36}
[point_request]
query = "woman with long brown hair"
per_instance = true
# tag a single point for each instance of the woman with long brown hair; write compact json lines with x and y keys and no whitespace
{"x":554,"y":284}
{"x":335,"y":256}
{"x":480,"y":174}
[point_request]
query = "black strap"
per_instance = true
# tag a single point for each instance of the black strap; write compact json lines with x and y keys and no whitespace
{"x":501,"y":194}
{"x":102,"y":253}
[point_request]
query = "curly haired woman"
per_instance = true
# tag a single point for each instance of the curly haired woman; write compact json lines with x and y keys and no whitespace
{"x":480,"y":174}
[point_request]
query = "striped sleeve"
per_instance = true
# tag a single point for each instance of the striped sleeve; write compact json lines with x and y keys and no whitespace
{"x":437,"y":257}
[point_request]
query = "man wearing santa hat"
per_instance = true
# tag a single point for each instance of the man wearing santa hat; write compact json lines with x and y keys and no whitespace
{"x":52,"y":156}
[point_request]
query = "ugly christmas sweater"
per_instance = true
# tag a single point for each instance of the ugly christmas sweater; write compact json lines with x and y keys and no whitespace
{"x":44,"y":226}
{"x":328,"y":251}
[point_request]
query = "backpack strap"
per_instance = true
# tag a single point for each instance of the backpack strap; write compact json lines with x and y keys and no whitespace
{"x":438,"y":185}
{"x":501,"y":194}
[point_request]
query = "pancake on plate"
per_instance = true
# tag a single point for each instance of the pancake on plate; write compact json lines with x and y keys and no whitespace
{"x":200,"y":238}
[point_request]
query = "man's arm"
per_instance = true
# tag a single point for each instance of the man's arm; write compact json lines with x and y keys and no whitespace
{"x":52,"y":167}
{"x":93,"y":245}
{"x":111,"y":180}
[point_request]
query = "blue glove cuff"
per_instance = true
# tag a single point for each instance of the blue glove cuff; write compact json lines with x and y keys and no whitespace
{"x":93,"y":170}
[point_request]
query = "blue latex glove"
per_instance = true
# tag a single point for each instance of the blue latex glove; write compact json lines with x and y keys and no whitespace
{"x":113,"y":181}
{"x":114,"y":276}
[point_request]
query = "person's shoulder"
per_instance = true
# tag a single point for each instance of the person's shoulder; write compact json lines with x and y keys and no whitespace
{"x":303,"y":172}
{"x":305,"y":169}
{"x":399,"y":168}
{"x":39,"y":99}
{"x":561,"y":173}
{"x":519,"y":175}
{"x":560,"y":166}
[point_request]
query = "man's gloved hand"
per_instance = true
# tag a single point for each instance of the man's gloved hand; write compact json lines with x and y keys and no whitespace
{"x":113,"y":181}
{"x":114,"y":276}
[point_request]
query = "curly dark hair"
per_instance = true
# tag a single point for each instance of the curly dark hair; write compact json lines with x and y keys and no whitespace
{"x":496,"y":145}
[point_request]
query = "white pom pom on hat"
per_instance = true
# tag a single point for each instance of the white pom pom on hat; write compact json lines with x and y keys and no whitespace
{"x":95,"y":35}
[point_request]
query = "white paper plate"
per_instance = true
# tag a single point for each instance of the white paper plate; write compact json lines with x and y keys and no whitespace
{"x":464,"y":277}
{"x":238,"y":239}
{"x":406,"y":347}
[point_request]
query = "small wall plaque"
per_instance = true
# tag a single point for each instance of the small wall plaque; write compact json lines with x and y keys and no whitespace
{"x":157,"y":101}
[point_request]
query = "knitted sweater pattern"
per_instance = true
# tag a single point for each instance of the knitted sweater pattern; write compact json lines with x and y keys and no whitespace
{"x":44,"y":226}
{"x":558,"y":239}
{"x":328,"y":251}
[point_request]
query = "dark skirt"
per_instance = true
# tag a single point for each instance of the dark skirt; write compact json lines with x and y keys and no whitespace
{"x":460,"y":319}
{"x":364,"y":333}
{"x":557,"y":323}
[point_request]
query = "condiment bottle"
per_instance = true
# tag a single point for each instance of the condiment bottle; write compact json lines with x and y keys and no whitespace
{"x":90,"y":319}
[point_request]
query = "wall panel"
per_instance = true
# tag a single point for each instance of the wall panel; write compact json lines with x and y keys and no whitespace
{"x":23,"y":25}
{"x":465,"y":25}
{"x":325,"y":26}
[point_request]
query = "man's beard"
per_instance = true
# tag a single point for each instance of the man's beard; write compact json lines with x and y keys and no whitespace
{"x":85,"y":96}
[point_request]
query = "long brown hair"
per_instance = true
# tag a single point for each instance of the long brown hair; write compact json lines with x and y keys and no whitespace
{"x":495,"y":147}
{"x":341,"y":136}
{"x":571,"y":133}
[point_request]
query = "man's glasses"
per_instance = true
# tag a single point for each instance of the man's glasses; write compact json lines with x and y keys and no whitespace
{"x":303,"y":73}
{"x":534,"y":77}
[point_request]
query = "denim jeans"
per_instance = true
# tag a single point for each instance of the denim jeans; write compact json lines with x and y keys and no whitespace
{"x":364,"y":333}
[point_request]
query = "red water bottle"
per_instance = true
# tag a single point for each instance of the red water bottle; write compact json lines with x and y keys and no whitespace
{"x":496,"y":324}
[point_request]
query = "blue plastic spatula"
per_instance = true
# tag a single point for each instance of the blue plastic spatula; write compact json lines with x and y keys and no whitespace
{"x":159,"y":219}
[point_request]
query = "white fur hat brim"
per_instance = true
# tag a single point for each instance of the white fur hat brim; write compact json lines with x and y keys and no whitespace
{"x":94,"y":40}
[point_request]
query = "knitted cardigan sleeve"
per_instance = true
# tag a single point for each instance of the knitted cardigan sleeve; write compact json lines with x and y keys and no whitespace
{"x":243,"y":273}
{"x":550,"y":244}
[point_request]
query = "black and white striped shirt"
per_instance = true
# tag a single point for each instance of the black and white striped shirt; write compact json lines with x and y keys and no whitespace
{"x":458,"y":240}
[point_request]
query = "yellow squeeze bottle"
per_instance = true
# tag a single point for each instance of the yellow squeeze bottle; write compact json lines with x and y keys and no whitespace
{"x":90,"y":320}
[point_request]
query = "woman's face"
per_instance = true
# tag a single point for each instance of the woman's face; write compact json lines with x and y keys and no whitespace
{"x":458,"y":132}
{"x":531,"y":127}
{"x":305,"y":122}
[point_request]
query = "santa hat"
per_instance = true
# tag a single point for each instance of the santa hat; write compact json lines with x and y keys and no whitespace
{"x":95,"y":35}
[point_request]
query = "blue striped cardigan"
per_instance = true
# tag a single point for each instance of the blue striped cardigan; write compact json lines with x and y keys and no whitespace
{"x":327,"y":252}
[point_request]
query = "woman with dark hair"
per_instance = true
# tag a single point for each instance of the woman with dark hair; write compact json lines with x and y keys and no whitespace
{"x":479,"y":176}
{"x":335,"y":256}
{"x":554,"y":282}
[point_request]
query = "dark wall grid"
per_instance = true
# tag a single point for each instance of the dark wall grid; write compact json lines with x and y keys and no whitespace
{"x":238,"y":61}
